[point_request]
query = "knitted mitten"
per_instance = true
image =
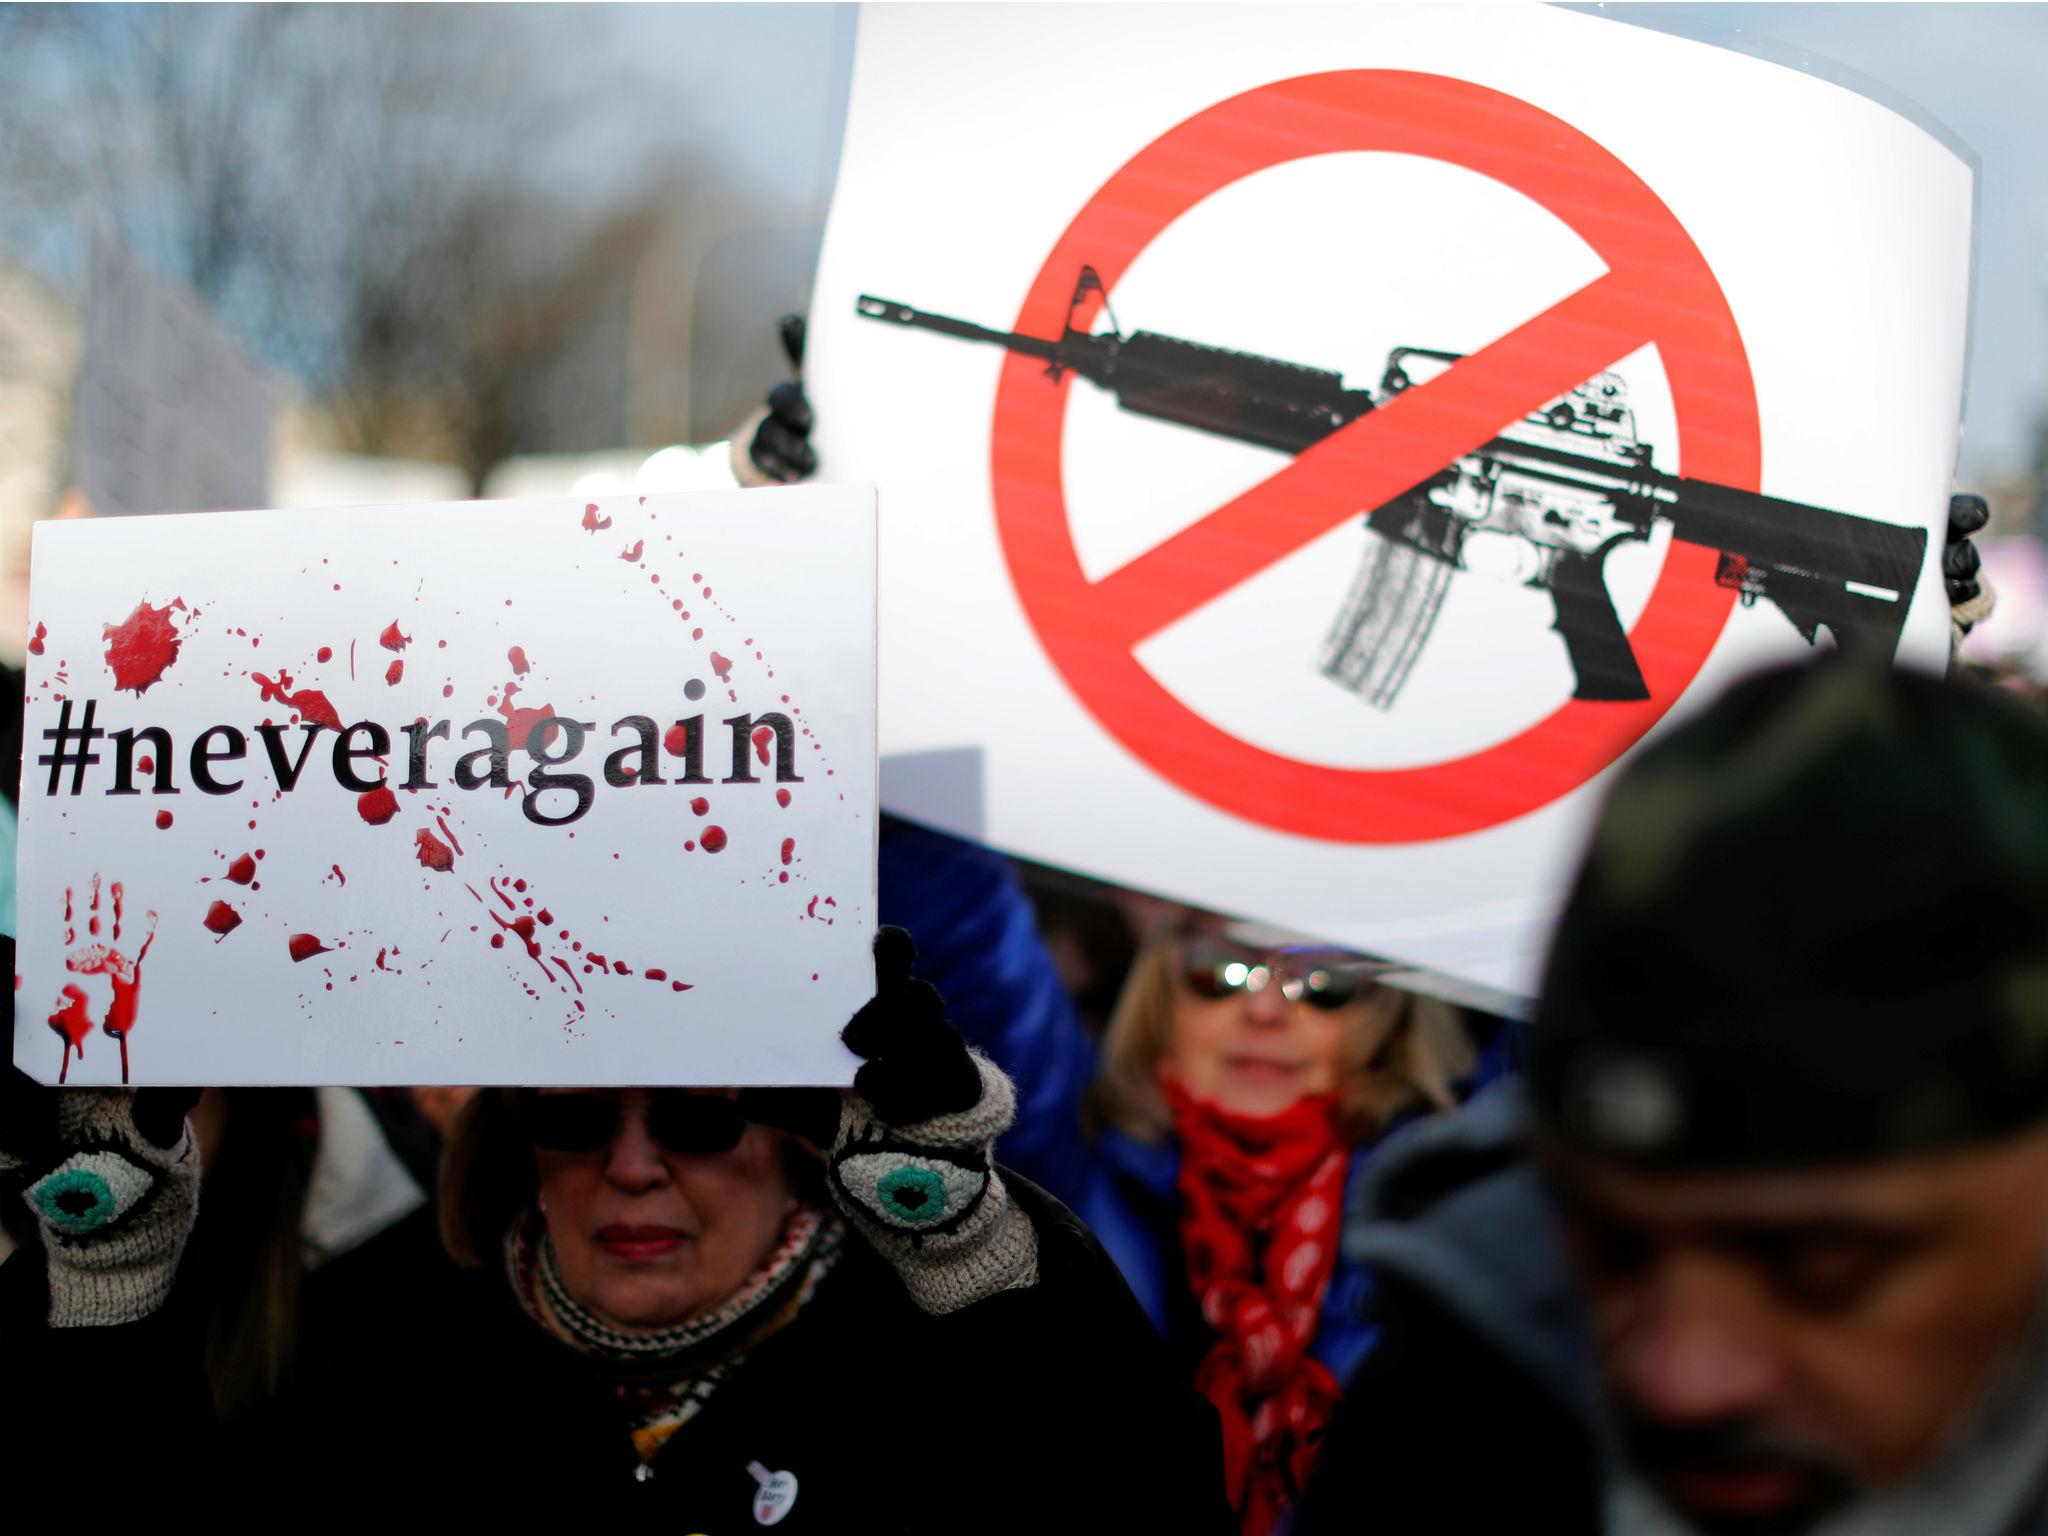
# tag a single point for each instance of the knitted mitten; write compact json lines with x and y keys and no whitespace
{"x":112,"y":1178}
{"x":911,"y":1165}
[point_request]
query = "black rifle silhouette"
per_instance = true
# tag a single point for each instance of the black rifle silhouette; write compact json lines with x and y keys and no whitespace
{"x":1570,"y":481}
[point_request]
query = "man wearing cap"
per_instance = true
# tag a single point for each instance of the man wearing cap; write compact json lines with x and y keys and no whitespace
{"x":1761,"y":1244}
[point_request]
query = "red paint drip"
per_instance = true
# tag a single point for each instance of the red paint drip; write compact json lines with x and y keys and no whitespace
{"x":325,"y":653}
{"x":788,"y":849}
{"x":394,"y":674}
{"x":311,"y":703}
{"x":519,"y":723}
{"x":632,"y":556}
{"x":377,"y":806}
{"x":142,"y":646}
{"x":163,"y":820}
{"x":304,"y":947}
{"x":243,"y":870}
{"x":391,"y":639}
{"x":714,"y":839}
{"x":517,"y":657}
{"x":35,"y":643}
{"x":762,"y":736}
{"x":73,"y":1023}
{"x":782,"y":797}
{"x":675,"y":741}
{"x":223,"y":919}
{"x":592,"y":521}
{"x":700,"y":805}
{"x":146,"y":763}
{"x":432,"y":852}
{"x":722,"y":666}
{"x":654,"y":973}
{"x":380,"y":960}
{"x":338,"y":874}
{"x":442,"y":823}
{"x":126,"y":976}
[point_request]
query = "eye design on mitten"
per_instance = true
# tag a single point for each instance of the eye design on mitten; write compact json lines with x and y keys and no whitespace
{"x":913,"y":1189}
{"x":89,"y":1192}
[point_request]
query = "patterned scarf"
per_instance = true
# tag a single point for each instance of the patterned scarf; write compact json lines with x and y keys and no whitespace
{"x":663,"y":1377}
{"x":1259,"y":1201}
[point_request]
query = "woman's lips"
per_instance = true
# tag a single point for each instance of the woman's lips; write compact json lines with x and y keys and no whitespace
{"x":638,"y":1244}
{"x":1263,"y":1067}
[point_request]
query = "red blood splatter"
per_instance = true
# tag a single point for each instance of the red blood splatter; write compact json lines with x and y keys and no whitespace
{"x":448,"y":691}
{"x":304,"y":947}
{"x":675,"y":741}
{"x":517,"y":656}
{"x":73,"y":1023}
{"x":680,"y":986}
{"x":394,"y":673}
{"x":142,"y":646}
{"x":35,"y":644}
{"x":338,"y":874}
{"x":377,"y":806}
{"x":519,"y":723}
{"x":655,"y":973}
{"x":433,"y":853}
{"x":163,"y":820}
{"x":380,"y":960}
{"x":391,"y":639}
{"x":311,"y":703}
{"x":700,"y":805}
{"x":788,"y":849}
{"x":442,"y":823}
{"x":592,"y":521}
{"x":762,"y":736}
{"x":146,"y":763}
{"x":243,"y":870}
{"x":325,"y":653}
{"x":126,"y":976}
{"x":782,"y":797}
{"x":722,"y":666}
{"x":632,"y":556}
{"x":222,"y":918}
{"x":714,"y":839}
{"x":497,"y":941}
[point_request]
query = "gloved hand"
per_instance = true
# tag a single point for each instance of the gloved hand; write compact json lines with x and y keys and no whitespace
{"x":1970,"y":598}
{"x":777,"y":439}
{"x":912,"y":1165}
{"x":112,"y":1179}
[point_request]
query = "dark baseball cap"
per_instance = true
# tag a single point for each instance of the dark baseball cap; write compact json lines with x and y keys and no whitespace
{"x":1812,"y":928}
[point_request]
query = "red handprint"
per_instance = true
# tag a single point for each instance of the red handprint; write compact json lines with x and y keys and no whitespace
{"x":72,"y":1021}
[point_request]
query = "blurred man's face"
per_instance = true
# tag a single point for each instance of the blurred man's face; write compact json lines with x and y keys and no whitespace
{"x":1774,"y":1343}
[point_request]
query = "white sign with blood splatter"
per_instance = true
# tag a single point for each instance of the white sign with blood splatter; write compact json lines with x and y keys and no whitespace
{"x":525,"y":792}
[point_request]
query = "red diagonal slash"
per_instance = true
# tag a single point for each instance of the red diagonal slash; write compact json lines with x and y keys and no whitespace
{"x":1377,"y":457}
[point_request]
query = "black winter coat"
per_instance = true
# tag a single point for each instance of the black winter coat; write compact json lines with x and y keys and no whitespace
{"x":1052,"y":1409}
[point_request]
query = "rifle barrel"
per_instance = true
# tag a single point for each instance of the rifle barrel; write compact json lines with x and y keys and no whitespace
{"x":872,"y":308}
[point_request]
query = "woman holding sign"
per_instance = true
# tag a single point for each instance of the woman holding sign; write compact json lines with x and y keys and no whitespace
{"x":665,"y":1295}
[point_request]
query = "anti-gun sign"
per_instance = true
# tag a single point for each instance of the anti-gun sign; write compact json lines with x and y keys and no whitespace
{"x":538,"y":792}
{"x":1325,"y":447}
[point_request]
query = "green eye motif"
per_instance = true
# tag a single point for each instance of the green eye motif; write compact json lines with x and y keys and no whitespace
{"x":87,"y":1192}
{"x":915,"y":1195}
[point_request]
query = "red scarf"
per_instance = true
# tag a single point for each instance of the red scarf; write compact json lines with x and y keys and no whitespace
{"x":1259,"y":1207}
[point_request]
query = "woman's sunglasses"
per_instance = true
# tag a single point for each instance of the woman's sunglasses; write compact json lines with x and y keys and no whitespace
{"x":1328,"y":983}
{"x":689,"y":1124}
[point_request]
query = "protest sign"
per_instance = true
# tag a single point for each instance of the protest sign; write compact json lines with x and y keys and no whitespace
{"x":524,"y":792}
{"x":1346,"y":432}
{"x":168,"y":414}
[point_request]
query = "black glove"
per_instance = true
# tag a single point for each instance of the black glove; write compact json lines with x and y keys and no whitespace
{"x":781,"y":448}
{"x":1959,"y":563}
{"x":918,"y":1064}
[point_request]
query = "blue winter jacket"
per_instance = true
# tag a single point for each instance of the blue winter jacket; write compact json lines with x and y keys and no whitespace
{"x":978,"y":944}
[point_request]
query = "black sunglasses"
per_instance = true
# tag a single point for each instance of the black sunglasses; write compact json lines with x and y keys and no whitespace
{"x":1212,"y":972}
{"x":690,"y":1124}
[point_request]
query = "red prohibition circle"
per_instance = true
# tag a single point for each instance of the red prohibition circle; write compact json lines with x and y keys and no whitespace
{"x":1657,"y":288}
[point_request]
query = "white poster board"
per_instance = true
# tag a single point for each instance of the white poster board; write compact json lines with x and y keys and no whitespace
{"x":523,"y":792}
{"x":168,"y":414}
{"x":1217,"y":680}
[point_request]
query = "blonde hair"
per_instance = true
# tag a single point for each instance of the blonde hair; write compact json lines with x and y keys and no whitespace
{"x":1399,"y":1052}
